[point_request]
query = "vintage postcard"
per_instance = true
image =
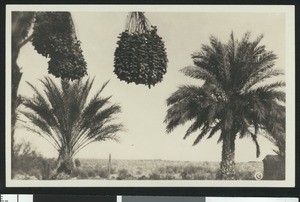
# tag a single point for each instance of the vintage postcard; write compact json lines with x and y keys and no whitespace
{"x":150,"y":96}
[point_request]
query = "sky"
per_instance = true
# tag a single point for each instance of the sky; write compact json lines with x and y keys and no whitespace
{"x":144,"y":109}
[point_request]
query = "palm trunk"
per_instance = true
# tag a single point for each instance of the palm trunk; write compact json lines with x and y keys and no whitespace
{"x":65,"y":161}
{"x":227,"y":165}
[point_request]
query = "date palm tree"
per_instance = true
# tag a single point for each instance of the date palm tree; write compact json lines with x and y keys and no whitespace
{"x":240,"y":97}
{"x":53,"y":36}
{"x":67,"y":120}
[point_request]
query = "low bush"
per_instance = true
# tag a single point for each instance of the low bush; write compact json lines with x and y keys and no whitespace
{"x":124,"y":174}
{"x":26,"y":161}
{"x":77,"y":163}
{"x":198,"y":173}
{"x":103,"y":173}
{"x":245,"y":175}
{"x":79,"y":173}
{"x":154,"y":176}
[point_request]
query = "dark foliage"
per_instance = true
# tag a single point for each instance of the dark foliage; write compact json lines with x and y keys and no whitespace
{"x":54,"y":37}
{"x":141,"y":55}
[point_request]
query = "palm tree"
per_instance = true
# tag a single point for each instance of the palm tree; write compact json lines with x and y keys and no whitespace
{"x":237,"y":99}
{"x":54,"y":37}
{"x":67,"y":120}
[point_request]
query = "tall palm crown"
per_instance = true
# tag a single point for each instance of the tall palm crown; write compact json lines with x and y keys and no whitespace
{"x":237,"y":97}
{"x":66,"y":119}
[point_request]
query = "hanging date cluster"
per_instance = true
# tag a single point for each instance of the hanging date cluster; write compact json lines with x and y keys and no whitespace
{"x":140,"y":56}
{"x":54,"y":37}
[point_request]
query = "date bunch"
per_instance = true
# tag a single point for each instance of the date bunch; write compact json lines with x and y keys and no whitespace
{"x":140,"y":57}
{"x":54,"y":37}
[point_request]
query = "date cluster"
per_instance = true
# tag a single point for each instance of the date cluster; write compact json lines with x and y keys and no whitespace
{"x":140,"y":57}
{"x":54,"y":37}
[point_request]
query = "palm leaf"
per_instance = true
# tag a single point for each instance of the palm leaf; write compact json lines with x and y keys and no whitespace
{"x":237,"y":95}
{"x":64,"y":116}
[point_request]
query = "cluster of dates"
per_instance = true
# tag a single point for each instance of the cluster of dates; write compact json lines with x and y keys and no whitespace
{"x":54,"y":37}
{"x":140,"y":57}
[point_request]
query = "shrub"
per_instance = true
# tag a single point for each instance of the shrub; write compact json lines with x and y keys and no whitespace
{"x":27,"y":162}
{"x":204,"y":176}
{"x":188,"y":172}
{"x":244,"y":175}
{"x":247,"y":170}
{"x":123,"y":174}
{"x":62,"y":176}
{"x":47,"y":168}
{"x":170,"y":170}
{"x":92,"y":173}
{"x":154,"y":176}
{"x":186,"y":176}
{"x":77,"y":163}
{"x":198,"y":173}
{"x":142,"y":178}
{"x":80,"y":173}
{"x":139,"y":170}
{"x":103,"y":173}
{"x":170,"y":177}
{"x":113,"y":170}
{"x":174,"y":169}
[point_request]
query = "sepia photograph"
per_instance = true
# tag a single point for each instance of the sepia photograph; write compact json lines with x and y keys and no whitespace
{"x":150,"y":96}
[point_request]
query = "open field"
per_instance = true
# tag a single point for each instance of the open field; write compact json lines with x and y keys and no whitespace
{"x":35,"y":167}
{"x":30,"y":165}
{"x":159,"y":170}
{"x":98,"y":169}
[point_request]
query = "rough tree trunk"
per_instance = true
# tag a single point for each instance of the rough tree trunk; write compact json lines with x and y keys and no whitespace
{"x":16,"y":76}
{"x":227,"y":165}
{"x":65,"y":162}
{"x":21,"y":22}
{"x":15,"y":102}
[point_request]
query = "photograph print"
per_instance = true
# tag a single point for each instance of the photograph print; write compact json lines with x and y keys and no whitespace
{"x":106,"y":96}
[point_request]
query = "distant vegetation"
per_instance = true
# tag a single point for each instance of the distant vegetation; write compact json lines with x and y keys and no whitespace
{"x":34,"y":166}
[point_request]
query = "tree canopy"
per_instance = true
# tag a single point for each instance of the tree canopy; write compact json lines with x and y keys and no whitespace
{"x":65,"y":117}
{"x":240,"y":97}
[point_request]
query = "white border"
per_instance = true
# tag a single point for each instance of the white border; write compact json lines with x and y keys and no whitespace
{"x":290,"y":95}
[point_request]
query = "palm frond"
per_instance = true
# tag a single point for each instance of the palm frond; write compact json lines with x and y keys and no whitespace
{"x":187,"y":92}
{"x":214,"y":59}
{"x":93,"y":107}
{"x":180,"y":113}
{"x":215,"y":129}
{"x":200,"y":73}
{"x":204,"y":131}
{"x":254,"y":139}
{"x":237,"y":95}
{"x":198,"y":123}
{"x":259,"y":78}
{"x":64,"y":116}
